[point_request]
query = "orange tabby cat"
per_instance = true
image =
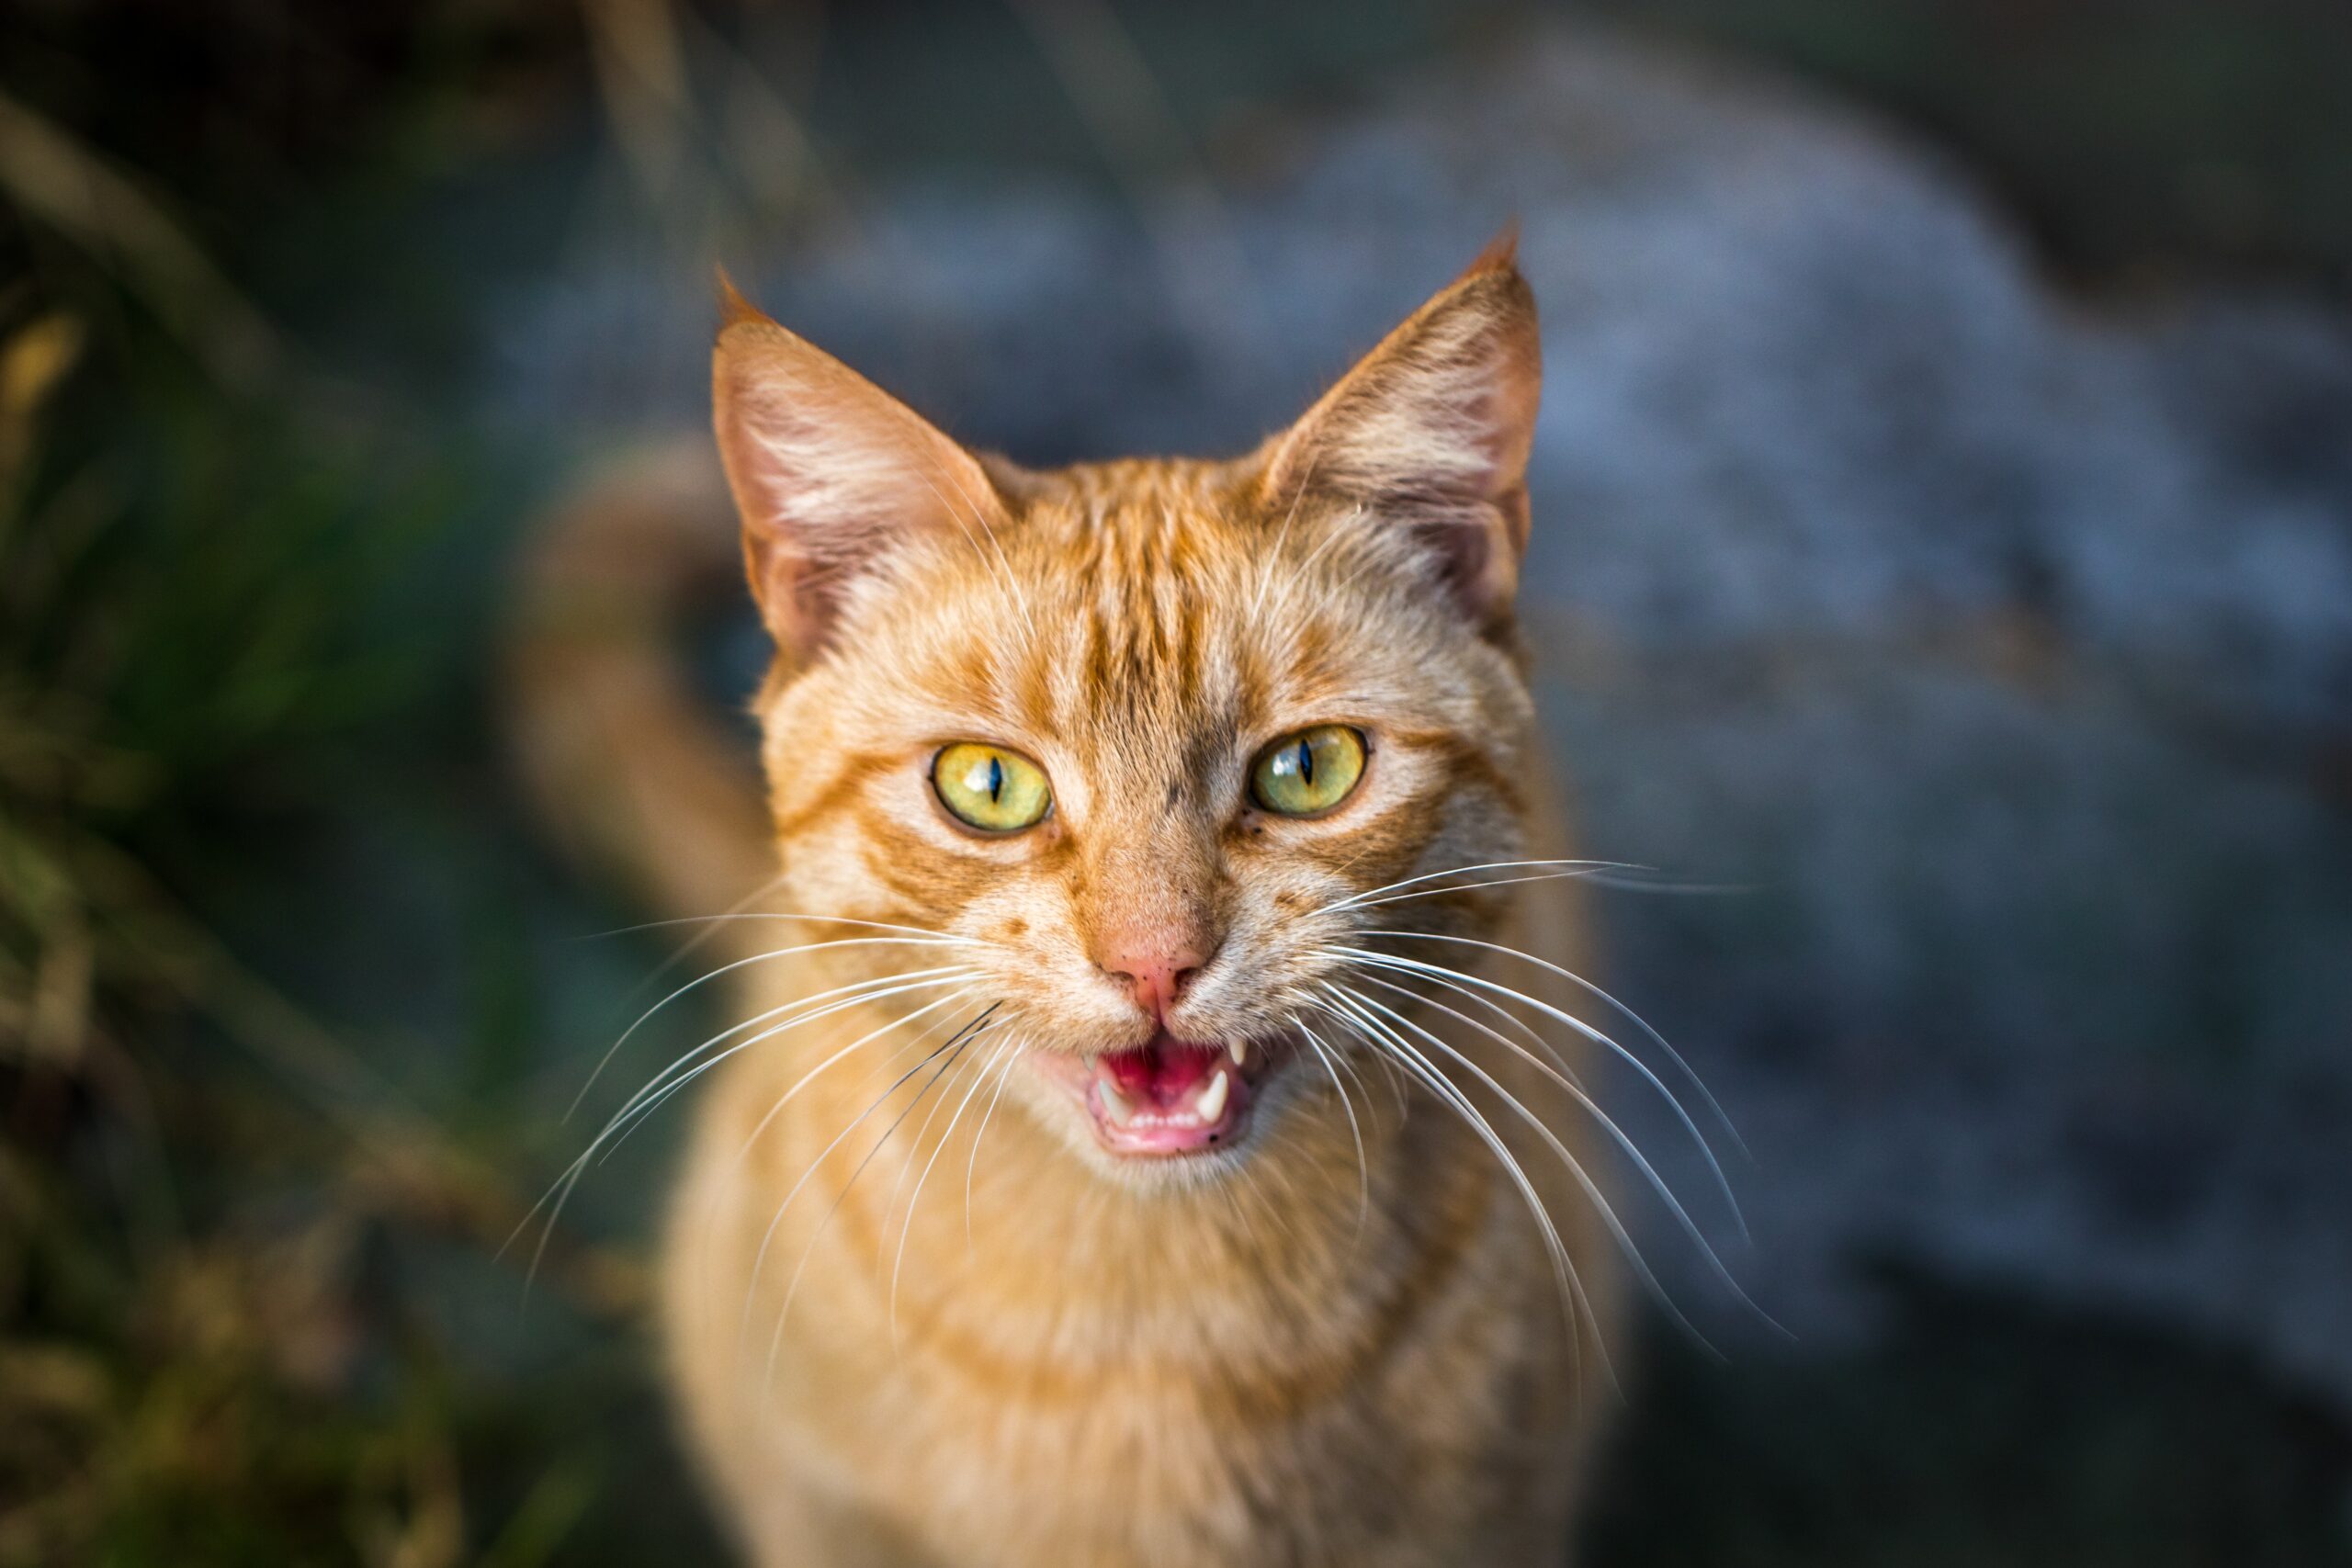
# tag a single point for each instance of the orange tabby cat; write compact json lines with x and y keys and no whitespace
{"x":1056,"y":1200}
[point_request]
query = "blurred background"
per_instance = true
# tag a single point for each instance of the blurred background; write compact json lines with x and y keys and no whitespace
{"x":1944,"y":551}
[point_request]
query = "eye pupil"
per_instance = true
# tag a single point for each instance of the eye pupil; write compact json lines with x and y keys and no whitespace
{"x":989,"y":788}
{"x":1309,"y":771}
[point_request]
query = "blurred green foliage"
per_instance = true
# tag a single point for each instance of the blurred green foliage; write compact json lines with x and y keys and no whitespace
{"x":195,"y":651}
{"x":226,"y":625}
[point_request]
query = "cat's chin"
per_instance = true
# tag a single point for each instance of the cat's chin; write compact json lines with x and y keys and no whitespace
{"x":1166,"y":1099}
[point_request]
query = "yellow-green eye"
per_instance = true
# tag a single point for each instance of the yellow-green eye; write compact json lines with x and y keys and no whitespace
{"x":1309,"y":773}
{"x":992,"y":789}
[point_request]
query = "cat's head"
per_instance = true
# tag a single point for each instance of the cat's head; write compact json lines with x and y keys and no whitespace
{"x":1151,"y":742}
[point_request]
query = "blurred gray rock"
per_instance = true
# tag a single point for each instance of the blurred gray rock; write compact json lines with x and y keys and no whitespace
{"x":2000,"y":644}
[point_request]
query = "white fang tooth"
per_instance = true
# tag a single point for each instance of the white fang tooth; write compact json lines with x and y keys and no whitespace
{"x":1212,"y":1102}
{"x":1120,"y":1109}
{"x":1237,"y":1049}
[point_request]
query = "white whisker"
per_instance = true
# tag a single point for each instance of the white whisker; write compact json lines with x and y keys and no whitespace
{"x":1552,"y":1053}
{"x":1338,"y":531}
{"x":1004,"y":564}
{"x":790,"y":915}
{"x":1577,"y":980}
{"x":605,"y":1060}
{"x":1387,"y":1042}
{"x":953,"y":1051}
{"x":1356,"y":1129}
{"x":751,"y":1138}
{"x":661,"y":1086}
{"x":558,"y":1193}
{"x":950,"y":1000}
{"x":711,"y":925}
{"x":1582,"y":867}
{"x":759,"y":1260}
{"x":1617,"y":1135}
{"x":1592,"y":1192}
{"x":1467,"y":887}
{"x":971,"y":1162}
{"x":1415,"y":967}
{"x":906,"y":1227}
{"x":922,"y":1129}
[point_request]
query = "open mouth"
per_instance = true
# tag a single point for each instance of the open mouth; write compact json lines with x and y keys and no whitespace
{"x":1168,"y":1097}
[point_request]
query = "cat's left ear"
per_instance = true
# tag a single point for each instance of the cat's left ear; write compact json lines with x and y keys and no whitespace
{"x":1430,"y":433}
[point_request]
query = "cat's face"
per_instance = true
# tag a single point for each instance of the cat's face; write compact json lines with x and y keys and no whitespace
{"x":1146,"y":741}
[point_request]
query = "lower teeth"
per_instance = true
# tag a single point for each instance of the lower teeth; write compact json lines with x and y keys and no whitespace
{"x":1208,"y":1105}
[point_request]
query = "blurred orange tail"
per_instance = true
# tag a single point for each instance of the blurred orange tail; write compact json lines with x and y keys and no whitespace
{"x":628,"y":763}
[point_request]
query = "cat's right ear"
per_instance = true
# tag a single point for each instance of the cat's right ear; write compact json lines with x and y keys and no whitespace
{"x":830,"y":472}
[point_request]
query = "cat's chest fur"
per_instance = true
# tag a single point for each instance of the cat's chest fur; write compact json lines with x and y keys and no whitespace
{"x":1375,"y":1370}
{"x":1152,"y":795}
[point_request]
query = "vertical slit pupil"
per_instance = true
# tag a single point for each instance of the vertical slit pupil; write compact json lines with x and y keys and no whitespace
{"x":1307,"y":764}
{"x":996,"y":780}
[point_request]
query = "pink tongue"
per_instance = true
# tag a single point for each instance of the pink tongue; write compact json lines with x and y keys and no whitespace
{"x":1163,"y":1071}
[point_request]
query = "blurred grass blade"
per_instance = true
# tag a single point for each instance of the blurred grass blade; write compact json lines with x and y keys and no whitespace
{"x":59,"y":183}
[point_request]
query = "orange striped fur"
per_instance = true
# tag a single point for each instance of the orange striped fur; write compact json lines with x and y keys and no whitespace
{"x":1341,"y":1340}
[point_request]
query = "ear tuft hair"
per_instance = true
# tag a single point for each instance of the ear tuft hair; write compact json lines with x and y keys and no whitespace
{"x":733,"y":309}
{"x":1501,"y":254}
{"x":830,"y":474}
{"x":1431,"y":432}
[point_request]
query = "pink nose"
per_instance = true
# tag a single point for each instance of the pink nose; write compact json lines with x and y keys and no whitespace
{"x":1155,"y":969}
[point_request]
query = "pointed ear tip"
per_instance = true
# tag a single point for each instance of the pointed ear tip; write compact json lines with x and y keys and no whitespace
{"x":1501,"y":254}
{"x":734,"y":311}
{"x":1495,"y":280}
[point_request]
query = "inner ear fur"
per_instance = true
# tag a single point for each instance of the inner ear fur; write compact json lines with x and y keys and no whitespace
{"x":830,"y":472}
{"x":1430,"y":433}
